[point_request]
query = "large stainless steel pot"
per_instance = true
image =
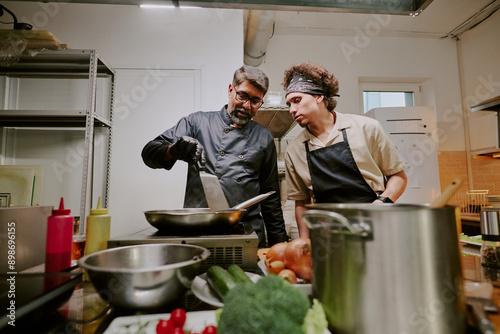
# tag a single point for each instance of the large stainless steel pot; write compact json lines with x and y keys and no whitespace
{"x":387,"y":268}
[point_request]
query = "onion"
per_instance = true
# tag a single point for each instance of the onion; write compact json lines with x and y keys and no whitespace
{"x":276,"y":252}
{"x":288,"y":275}
{"x":275,"y":267}
{"x":298,"y":257}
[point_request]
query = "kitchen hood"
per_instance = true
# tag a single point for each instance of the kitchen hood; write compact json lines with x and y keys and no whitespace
{"x":396,"y":7}
{"x":260,"y":14}
{"x":277,"y":119}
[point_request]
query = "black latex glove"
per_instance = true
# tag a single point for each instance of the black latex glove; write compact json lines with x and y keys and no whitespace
{"x":190,"y":150}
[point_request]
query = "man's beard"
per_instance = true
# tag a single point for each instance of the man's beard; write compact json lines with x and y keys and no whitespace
{"x":239,"y":120}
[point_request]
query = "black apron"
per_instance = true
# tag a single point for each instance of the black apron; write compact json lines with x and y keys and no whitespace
{"x":335,"y":176}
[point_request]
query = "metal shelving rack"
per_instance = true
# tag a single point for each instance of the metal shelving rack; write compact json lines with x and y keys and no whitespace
{"x":68,"y":64}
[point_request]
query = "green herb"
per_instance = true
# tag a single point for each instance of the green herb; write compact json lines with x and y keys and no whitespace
{"x":466,"y":238}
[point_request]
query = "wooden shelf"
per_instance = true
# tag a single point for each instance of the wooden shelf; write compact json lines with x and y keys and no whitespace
{"x":486,"y":154}
{"x":489,"y":105}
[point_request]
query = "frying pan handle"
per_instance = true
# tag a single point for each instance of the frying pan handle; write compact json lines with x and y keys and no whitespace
{"x":327,"y":219}
{"x":253,"y":200}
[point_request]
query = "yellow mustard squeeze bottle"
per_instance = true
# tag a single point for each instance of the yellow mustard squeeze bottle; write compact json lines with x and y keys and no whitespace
{"x":98,"y":229}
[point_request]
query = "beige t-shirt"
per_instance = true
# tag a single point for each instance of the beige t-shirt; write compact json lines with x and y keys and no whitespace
{"x":374,"y":153}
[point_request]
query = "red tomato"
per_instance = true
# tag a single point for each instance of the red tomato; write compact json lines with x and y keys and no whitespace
{"x":178,"y":317}
{"x":178,"y":330}
{"x":210,"y":330}
{"x":164,"y":326}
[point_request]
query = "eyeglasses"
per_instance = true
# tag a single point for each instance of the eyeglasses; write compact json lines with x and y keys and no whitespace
{"x":243,"y":98}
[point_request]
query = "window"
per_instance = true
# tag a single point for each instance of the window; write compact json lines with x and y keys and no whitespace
{"x":389,"y":95}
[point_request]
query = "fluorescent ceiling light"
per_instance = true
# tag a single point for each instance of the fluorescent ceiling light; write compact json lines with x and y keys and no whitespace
{"x":164,"y":6}
{"x":156,"y":6}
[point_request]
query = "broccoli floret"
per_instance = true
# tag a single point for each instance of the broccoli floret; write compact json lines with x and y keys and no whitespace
{"x":272,"y":305}
{"x":315,"y":321}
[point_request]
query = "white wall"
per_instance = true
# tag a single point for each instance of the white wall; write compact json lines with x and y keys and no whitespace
{"x":209,"y":41}
{"x":130,"y":37}
{"x":480,"y":51}
{"x":432,"y":62}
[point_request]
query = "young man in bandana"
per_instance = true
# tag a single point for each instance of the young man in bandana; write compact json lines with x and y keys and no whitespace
{"x":229,"y":144}
{"x":337,"y":158}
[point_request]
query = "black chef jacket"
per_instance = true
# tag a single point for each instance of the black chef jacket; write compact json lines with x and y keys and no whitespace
{"x":244,"y":159}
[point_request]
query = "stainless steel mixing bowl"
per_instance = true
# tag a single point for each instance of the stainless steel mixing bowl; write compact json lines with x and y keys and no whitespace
{"x":144,"y":276}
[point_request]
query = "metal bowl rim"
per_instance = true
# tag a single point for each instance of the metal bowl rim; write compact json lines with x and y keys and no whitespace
{"x":371,"y":207}
{"x":203,"y":256}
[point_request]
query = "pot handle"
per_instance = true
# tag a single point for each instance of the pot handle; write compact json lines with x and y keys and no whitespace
{"x":327,"y":219}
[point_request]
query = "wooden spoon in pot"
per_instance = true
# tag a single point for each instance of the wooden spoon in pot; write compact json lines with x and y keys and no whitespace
{"x":445,"y":196}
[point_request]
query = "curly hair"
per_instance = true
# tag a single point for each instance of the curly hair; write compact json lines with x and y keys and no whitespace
{"x":319,"y":75}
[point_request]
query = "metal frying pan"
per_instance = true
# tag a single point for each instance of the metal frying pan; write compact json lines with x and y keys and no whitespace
{"x":194,"y":220}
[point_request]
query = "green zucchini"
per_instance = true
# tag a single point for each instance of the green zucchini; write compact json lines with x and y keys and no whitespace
{"x":239,"y":275}
{"x":220,"y":280}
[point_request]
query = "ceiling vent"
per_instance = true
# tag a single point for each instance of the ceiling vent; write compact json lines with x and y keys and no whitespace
{"x":395,"y":7}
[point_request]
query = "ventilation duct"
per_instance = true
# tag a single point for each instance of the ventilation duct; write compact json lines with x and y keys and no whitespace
{"x":259,"y":28}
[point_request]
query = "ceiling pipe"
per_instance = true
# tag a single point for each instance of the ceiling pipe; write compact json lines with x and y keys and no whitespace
{"x":259,"y":30}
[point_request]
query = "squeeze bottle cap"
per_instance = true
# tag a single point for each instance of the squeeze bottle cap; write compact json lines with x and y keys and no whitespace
{"x":61,"y":211}
{"x":99,"y":210}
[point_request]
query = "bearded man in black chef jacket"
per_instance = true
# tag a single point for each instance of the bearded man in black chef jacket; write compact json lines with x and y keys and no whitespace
{"x":239,"y":151}
{"x":337,"y":158}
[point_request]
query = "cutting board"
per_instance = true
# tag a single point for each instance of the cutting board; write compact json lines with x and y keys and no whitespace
{"x":261,"y":253}
{"x":23,"y":182}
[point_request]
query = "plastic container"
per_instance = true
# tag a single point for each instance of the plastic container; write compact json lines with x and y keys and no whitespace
{"x":490,"y":233}
{"x":489,"y":254}
{"x":59,"y":239}
{"x":98,"y":229}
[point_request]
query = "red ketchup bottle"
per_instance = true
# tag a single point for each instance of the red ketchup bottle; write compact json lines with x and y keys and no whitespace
{"x":59,"y":240}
